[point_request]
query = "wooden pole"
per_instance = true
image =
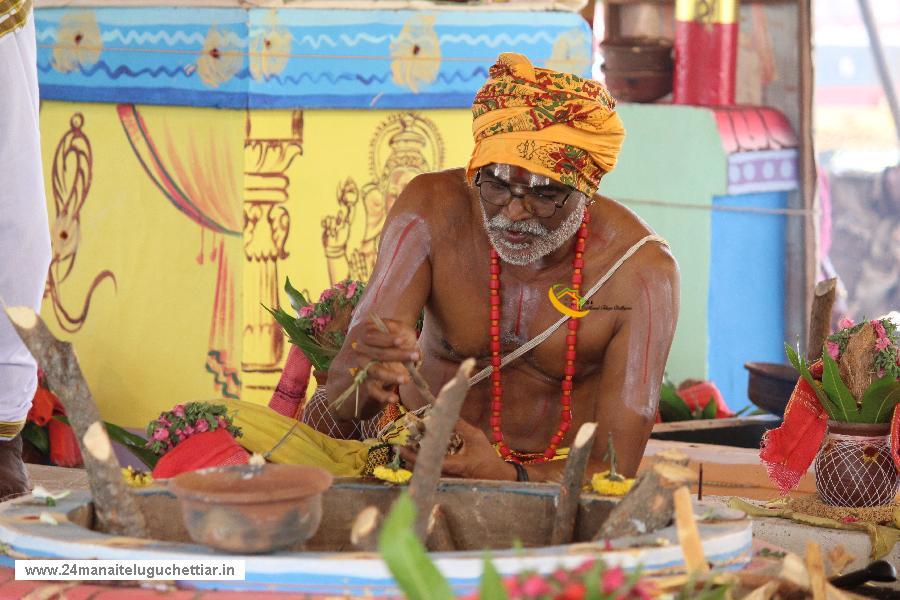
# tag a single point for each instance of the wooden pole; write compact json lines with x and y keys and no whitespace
{"x":570,"y":489}
{"x":688,"y":535}
{"x":430,"y":459}
{"x":364,"y":532}
{"x":808,"y":176}
{"x":438,"y":534}
{"x":820,"y":318}
{"x":116,"y":509}
{"x":649,"y":505}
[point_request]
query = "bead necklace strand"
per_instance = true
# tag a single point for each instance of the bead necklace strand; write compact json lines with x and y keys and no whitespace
{"x":565,"y":418}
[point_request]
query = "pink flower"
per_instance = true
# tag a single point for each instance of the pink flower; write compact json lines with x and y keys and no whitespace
{"x":845,"y":323}
{"x":583,"y":567}
{"x":560,"y":575}
{"x":161,"y":434}
{"x":221,"y":421}
{"x":163,"y":422}
{"x":644,"y":589}
{"x":202,"y":425}
{"x":535,"y":586}
{"x":319,"y":323}
{"x":573,"y":591}
{"x":188,"y":430}
{"x":613,"y":579}
{"x":306,"y":311}
{"x":834,"y":351}
{"x":326,"y":295}
{"x":179,"y":411}
{"x":181,"y":437}
{"x":880,"y":333}
{"x":351,"y":289}
{"x":882,"y":343}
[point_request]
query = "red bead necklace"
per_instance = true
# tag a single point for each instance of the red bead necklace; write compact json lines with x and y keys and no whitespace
{"x":565,"y":418}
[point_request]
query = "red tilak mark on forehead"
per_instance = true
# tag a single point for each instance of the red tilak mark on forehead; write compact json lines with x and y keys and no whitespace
{"x":400,"y":241}
{"x":649,"y":327}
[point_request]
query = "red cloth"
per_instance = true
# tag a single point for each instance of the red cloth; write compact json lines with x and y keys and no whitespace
{"x":64,"y":450}
{"x":291,"y":389}
{"x":789,"y":450}
{"x":697,"y":397}
{"x":201,"y":450}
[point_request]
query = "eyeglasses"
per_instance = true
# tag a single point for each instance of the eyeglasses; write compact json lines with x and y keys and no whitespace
{"x":500,"y":194}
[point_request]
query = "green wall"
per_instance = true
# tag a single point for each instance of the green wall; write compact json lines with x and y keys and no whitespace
{"x":673,"y":154}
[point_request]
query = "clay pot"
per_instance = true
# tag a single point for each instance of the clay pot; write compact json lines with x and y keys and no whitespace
{"x":637,"y":69}
{"x":770,"y":385}
{"x":251,"y":509}
{"x":854,"y":466}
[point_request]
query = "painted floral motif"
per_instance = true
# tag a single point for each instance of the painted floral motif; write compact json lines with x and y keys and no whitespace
{"x":220,"y":59}
{"x":78,"y":41}
{"x":571,"y":52}
{"x":270,"y":48}
{"x":416,"y":53}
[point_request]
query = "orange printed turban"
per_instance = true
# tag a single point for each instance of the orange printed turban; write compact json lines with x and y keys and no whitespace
{"x":551,"y":123}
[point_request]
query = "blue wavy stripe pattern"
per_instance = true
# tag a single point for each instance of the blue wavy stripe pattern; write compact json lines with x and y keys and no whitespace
{"x":343,"y":55}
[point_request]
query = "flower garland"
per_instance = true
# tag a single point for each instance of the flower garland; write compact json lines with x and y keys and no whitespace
{"x":174,"y":426}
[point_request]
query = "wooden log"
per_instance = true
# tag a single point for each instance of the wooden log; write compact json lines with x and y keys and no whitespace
{"x":430,"y":459}
{"x":365,"y":528}
{"x":649,"y":505}
{"x":672,"y":455}
{"x":820,"y":318}
{"x":570,"y":489}
{"x":688,"y":535}
{"x":116,"y":509}
{"x":439,"y":535}
{"x":818,"y":585}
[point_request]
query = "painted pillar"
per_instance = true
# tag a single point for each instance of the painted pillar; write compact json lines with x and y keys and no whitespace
{"x":706,"y":36}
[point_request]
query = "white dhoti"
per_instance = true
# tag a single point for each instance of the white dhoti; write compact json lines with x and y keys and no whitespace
{"x":24,"y":233}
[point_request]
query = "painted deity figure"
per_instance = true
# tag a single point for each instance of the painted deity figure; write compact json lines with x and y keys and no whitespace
{"x":492,"y":253}
{"x":404,"y":146}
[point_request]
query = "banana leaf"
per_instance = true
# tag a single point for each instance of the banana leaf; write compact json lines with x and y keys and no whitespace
{"x":838,"y":392}
{"x":319,"y":356}
{"x":879,"y":399}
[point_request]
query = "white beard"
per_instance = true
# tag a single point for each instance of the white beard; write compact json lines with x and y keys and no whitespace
{"x":545,"y":241}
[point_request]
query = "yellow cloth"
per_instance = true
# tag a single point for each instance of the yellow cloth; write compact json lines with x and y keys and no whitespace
{"x":551,"y":123}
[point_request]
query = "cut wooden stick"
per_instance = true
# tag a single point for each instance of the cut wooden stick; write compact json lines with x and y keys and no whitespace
{"x":570,"y":489}
{"x":820,"y":318}
{"x":364,"y":532}
{"x":116,"y":509}
{"x":417,"y":378}
{"x":430,"y":459}
{"x":688,"y":535}
{"x":649,"y":505}
{"x":816,"y":568}
{"x":439,"y":535}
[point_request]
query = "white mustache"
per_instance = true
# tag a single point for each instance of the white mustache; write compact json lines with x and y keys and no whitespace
{"x":504,"y":223}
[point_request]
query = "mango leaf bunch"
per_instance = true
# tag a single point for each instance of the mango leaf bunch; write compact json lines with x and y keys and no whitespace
{"x":858,"y":379}
{"x":319,"y":328}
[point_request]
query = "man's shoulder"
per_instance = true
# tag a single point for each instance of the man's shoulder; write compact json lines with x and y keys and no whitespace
{"x":653,"y":259}
{"x":436,"y":196}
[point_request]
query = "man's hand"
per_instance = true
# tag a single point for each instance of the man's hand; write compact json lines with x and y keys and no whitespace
{"x":476,"y":460}
{"x":13,"y":477}
{"x":390,"y":350}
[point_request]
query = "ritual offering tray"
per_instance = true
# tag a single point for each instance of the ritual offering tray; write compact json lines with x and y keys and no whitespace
{"x":479,"y":515}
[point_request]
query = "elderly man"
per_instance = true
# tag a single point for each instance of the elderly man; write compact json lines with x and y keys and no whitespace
{"x":24,"y":235}
{"x":498,"y":253}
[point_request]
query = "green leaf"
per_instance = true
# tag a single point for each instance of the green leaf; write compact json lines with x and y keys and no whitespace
{"x":296,"y":297}
{"x":492,"y":587}
{"x":803,"y":368}
{"x":37,"y":437}
{"x":838,"y":392}
{"x":879,"y":399}
{"x":406,"y":558}
{"x":319,"y":357}
{"x":592,"y":582}
{"x":745,"y":409}
{"x":709,"y":411}
{"x":671,"y":406}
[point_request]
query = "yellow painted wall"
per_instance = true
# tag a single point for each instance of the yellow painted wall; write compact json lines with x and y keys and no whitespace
{"x":144,"y":340}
